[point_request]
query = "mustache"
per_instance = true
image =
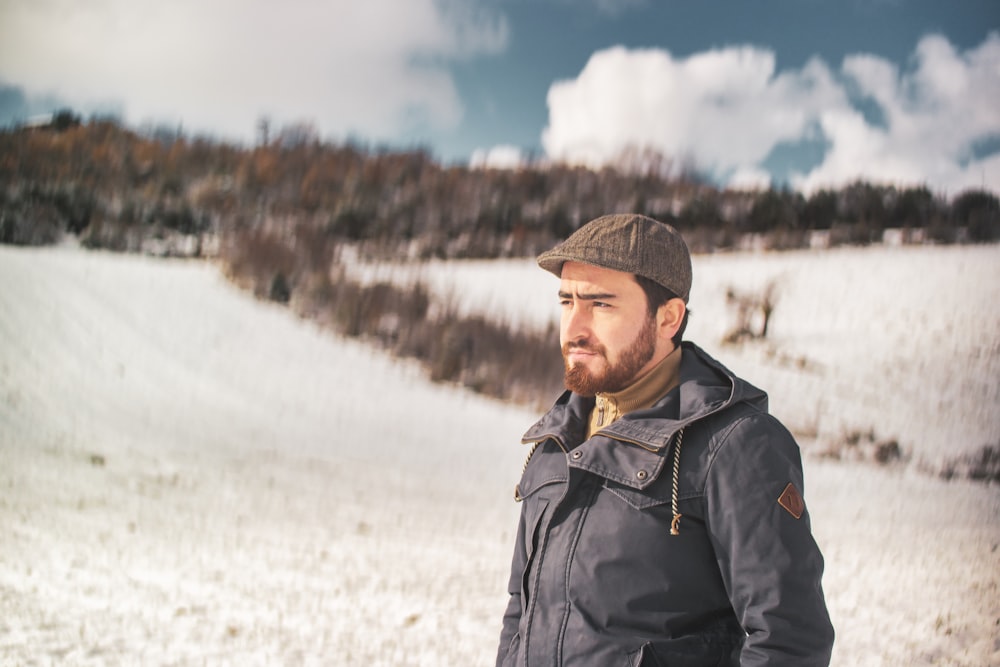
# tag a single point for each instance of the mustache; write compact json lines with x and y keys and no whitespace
{"x":583,"y":346}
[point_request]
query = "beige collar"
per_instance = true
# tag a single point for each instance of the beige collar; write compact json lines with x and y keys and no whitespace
{"x":642,"y":394}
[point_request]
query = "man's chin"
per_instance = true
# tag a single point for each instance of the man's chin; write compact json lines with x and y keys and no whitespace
{"x":580,"y":380}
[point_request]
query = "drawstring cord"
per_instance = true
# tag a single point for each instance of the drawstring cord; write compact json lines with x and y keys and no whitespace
{"x":675,"y":525}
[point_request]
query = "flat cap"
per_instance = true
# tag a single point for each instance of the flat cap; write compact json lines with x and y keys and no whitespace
{"x":630,"y":243}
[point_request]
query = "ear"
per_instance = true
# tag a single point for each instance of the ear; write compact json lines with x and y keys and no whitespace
{"x":669,"y":317}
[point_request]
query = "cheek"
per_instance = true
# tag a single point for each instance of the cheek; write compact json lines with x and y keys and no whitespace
{"x":612,"y":336}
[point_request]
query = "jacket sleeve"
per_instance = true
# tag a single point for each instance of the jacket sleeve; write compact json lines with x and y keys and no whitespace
{"x":512,"y":616}
{"x":771,"y":565}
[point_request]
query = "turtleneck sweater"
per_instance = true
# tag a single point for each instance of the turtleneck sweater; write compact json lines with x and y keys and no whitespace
{"x":639,"y":395}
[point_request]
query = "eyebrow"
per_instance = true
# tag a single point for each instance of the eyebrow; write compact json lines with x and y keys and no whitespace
{"x":587,"y":297}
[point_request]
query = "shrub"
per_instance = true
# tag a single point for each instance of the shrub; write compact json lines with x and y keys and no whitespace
{"x":863,"y":446}
{"x":753,"y":313}
{"x":280,"y":289}
{"x":488,"y":357}
{"x":257,"y":260}
{"x":982,"y":465}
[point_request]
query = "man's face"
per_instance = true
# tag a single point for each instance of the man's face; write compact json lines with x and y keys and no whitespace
{"x":608,"y":337}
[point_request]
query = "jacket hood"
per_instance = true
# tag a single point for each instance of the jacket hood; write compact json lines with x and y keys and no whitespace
{"x":706,"y":387}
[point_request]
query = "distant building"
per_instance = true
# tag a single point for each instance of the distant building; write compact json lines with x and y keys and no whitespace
{"x":38,"y":122}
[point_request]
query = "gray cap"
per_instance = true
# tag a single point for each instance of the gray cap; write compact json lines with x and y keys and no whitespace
{"x":630,"y":243}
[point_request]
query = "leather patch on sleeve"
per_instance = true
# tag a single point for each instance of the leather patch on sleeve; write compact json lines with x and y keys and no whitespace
{"x":792,"y":501}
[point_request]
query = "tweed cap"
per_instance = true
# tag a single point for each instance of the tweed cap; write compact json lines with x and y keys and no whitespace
{"x":630,"y":243}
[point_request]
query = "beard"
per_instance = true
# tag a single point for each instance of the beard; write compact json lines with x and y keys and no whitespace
{"x":613,"y":377}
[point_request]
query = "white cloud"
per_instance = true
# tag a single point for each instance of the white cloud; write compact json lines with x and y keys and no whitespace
{"x":375,"y":68}
{"x":704,"y":106}
{"x":727,"y":109}
{"x":935,"y":113}
{"x":750,"y":178}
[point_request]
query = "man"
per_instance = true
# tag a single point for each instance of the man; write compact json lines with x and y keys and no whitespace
{"x":662,"y":521}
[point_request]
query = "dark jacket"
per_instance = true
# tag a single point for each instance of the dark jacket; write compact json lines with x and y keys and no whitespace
{"x":599,"y":580}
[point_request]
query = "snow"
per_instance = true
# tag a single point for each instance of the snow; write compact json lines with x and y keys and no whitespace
{"x":902,"y":341}
{"x":191,"y":476}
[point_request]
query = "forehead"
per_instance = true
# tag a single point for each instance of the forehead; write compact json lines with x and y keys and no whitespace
{"x":579,"y":275}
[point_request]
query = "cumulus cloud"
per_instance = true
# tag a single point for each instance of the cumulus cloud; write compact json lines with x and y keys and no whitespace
{"x":728,"y":109}
{"x":936,"y":113}
{"x":376,"y":68}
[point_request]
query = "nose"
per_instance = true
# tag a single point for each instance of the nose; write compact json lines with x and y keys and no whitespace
{"x":575,"y":324}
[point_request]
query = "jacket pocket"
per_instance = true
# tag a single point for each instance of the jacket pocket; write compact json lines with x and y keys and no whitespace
{"x":534,"y":512}
{"x":643,"y":657}
{"x":640,"y":500}
{"x":513,"y":652}
{"x":692,"y":651}
{"x":658,"y":501}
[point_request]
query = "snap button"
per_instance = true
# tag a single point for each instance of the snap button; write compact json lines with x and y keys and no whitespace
{"x":577,"y":454}
{"x":642,"y":474}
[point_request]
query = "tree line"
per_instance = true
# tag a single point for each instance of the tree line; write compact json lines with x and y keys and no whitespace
{"x":125,"y":190}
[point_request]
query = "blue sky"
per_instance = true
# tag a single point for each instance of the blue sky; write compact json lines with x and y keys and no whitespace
{"x":811,"y":93}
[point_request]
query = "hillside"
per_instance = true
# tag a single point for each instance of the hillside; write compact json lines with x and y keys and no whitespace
{"x":899,"y":341}
{"x":192,"y":476}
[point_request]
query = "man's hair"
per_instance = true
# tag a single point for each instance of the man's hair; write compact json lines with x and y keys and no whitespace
{"x":656,"y":296}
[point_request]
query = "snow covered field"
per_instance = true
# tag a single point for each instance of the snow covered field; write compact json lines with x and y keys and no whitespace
{"x":190,"y":476}
{"x":902,"y":341}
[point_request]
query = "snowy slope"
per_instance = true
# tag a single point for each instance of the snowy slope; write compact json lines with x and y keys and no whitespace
{"x":904,"y":341}
{"x":267,"y":492}
{"x":190,"y":476}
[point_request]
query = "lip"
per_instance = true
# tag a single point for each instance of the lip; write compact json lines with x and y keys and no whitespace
{"x":579,"y":355}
